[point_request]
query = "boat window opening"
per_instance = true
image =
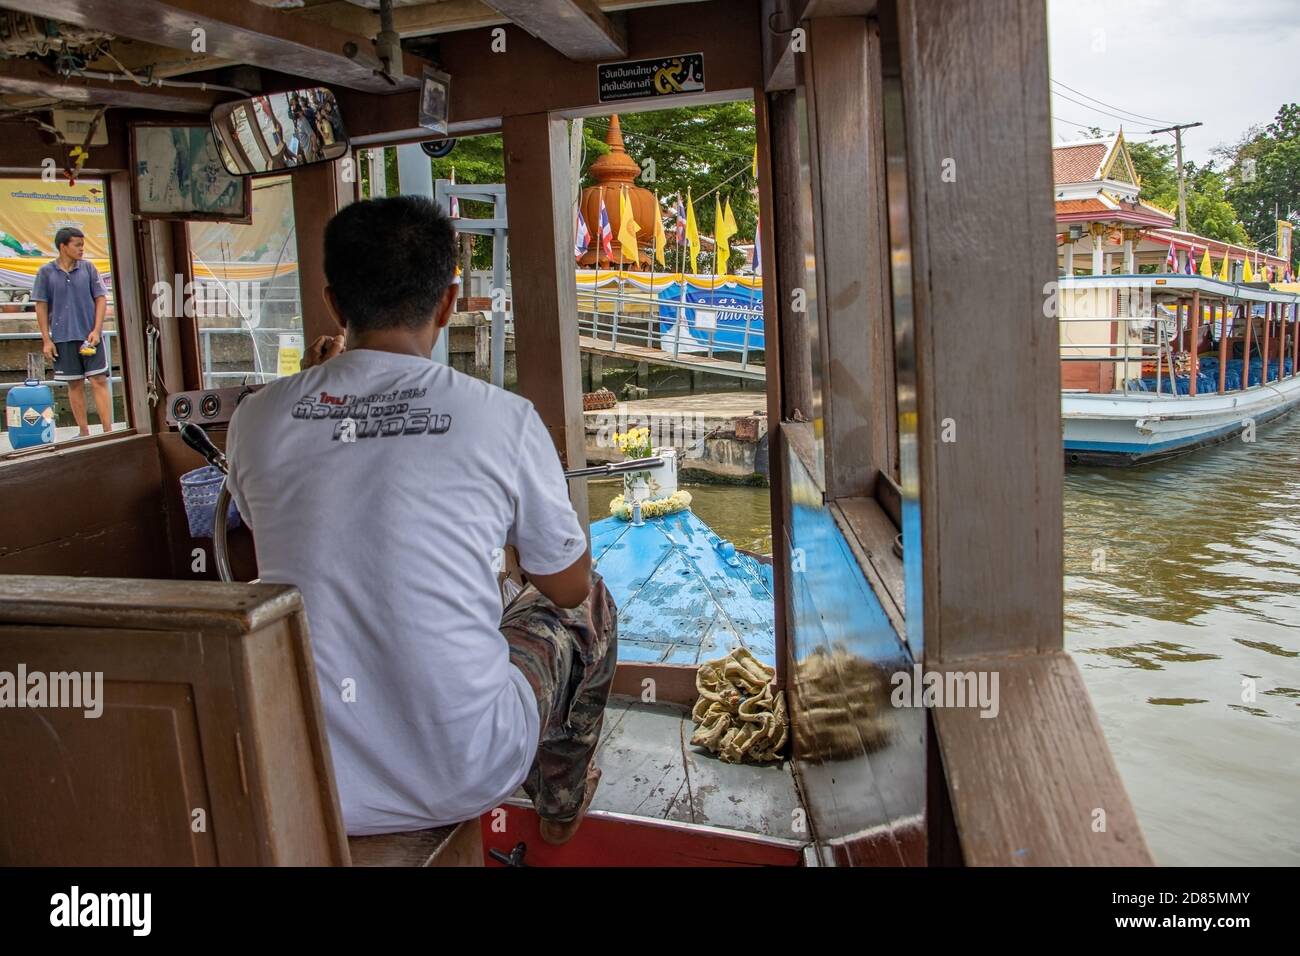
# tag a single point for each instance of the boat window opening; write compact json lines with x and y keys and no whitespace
{"x":245,"y":299}
{"x":39,"y":416}
{"x":671,"y":290}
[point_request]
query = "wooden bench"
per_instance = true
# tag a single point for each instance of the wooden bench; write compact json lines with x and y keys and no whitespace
{"x":211,"y":746}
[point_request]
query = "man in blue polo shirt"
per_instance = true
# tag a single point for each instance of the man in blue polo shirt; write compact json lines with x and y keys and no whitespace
{"x":70,"y":304}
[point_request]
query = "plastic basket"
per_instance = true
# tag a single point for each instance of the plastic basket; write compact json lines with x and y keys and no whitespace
{"x":199,"y":490}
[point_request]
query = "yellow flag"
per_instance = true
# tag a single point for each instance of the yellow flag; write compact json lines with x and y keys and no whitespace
{"x":1246,"y":274}
{"x":1207,"y":269}
{"x":627,"y":228}
{"x":754,"y":168}
{"x":1225,"y":272}
{"x":722,"y":251}
{"x":660,"y":239}
{"x":692,"y":233}
{"x":732,"y":228}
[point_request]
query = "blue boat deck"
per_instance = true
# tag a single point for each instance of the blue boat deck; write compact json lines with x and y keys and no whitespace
{"x":684,"y":595}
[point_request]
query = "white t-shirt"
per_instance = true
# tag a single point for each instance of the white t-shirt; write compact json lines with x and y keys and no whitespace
{"x":394,"y":538}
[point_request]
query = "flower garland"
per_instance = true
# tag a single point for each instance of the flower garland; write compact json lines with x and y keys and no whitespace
{"x":657,"y":508}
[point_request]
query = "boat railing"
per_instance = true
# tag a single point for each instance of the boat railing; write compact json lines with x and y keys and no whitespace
{"x":1168,"y":383}
{"x":635,"y":318}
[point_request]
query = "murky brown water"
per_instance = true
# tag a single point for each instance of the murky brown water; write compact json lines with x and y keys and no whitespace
{"x":1182,"y":596}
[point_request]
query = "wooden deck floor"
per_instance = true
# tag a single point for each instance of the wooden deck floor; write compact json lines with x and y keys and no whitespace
{"x":651,"y":770}
{"x":694,"y":362}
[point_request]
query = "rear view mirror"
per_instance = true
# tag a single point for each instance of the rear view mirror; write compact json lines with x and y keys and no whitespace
{"x":279,"y":131}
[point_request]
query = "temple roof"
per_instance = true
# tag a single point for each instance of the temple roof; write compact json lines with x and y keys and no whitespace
{"x":1079,"y":162}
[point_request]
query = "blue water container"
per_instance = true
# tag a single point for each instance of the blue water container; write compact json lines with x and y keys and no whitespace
{"x":29,"y":409}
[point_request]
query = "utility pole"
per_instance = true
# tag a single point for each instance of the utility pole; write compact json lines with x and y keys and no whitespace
{"x":1178,"y":153}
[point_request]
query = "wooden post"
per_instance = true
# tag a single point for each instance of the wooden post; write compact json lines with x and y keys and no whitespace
{"x":845,"y":146}
{"x":1196,"y":340}
{"x":1223,"y":344}
{"x":1281,"y":341}
{"x":975,"y":102}
{"x":540,"y":202}
{"x":316,"y":197}
{"x":788,"y":240}
{"x":1295,"y":346}
{"x":129,"y":304}
{"x":1244,"y":312}
{"x":1268,"y":315}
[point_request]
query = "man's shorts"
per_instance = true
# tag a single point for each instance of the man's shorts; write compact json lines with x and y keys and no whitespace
{"x":71,"y":365}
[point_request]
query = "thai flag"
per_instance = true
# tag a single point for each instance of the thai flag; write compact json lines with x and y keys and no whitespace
{"x":606,"y":233}
{"x":1171,"y":260}
{"x":758,"y":263}
{"x":582,"y":237}
{"x":1188,"y":268}
{"x":680,"y":213}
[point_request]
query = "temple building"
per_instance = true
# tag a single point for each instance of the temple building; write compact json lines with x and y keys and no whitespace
{"x":1104,"y":227}
{"x":616,"y":173}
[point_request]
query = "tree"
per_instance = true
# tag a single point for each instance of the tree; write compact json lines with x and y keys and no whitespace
{"x":1209,"y":212}
{"x":1264,"y":175}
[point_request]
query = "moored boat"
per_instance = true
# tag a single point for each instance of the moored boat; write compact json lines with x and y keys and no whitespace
{"x":1197,"y":361}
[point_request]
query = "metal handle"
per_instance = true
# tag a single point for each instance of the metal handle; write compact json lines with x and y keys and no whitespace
{"x":616,"y":468}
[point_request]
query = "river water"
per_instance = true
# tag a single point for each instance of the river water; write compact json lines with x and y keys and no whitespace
{"x":1182,"y":610}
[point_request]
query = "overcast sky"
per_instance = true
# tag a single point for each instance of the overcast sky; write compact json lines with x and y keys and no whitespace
{"x":1227,"y":64}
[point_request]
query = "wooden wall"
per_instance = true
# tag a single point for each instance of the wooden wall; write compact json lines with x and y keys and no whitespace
{"x":90,"y":511}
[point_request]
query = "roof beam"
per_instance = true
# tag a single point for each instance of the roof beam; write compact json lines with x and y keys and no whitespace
{"x":442,"y":16}
{"x":240,"y":31}
{"x":576,"y":28}
{"x":27,"y":77}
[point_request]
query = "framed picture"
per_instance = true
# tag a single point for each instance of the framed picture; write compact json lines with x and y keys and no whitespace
{"x":177,"y":173}
{"x":435,"y":97}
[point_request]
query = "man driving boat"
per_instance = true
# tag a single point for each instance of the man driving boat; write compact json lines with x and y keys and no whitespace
{"x":386,"y":486}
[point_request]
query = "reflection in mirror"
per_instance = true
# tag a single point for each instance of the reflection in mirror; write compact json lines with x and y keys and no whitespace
{"x":279,"y":131}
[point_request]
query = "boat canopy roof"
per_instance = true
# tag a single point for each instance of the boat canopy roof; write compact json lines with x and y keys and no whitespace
{"x":1174,"y":283}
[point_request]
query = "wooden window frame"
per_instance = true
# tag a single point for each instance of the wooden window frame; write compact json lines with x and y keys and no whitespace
{"x":853,"y":371}
{"x":127,"y":305}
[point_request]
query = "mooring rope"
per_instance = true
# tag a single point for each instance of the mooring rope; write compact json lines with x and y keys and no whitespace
{"x":739,"y":716}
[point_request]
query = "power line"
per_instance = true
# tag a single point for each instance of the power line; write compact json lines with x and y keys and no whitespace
{"x":1110,"y":106}
{"x":1094,"y":109}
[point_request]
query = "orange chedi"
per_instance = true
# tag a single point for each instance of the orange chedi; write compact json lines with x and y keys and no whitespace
{"x":615,"y":172}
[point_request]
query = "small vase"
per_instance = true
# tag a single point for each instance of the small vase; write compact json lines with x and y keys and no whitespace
{"x":636,"y":487}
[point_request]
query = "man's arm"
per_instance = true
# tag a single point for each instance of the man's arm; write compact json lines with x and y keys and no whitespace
{"x":553,"y":550}
{"x":571,"y":586}
{"x":43,"y":323}
{"x":101,"y":306}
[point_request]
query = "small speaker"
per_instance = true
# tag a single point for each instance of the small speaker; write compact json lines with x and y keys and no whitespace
{"x":210,"y":406}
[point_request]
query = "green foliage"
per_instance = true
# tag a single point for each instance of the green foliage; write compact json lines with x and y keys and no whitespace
{"x":1274,"y":152}
{"x":1209,"y":212}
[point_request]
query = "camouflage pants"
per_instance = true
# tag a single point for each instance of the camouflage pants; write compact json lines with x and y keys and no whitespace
{"x":568,"y":657}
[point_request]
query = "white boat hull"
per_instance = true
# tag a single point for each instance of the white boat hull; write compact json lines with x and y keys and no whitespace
{"x":1142,"y":427}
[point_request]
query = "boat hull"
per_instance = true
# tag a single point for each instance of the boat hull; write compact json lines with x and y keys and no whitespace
{"x":1141,"y":428}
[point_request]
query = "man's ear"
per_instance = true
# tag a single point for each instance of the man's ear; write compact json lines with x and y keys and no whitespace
{"x":332,"y":306}
{"x":446,"y":305}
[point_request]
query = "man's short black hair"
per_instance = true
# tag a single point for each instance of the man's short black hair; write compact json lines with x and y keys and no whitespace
{"x":66,"y":235}
{"x":389,"y":261}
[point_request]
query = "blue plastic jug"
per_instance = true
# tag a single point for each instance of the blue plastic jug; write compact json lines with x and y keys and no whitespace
{"x":29,"y":410}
